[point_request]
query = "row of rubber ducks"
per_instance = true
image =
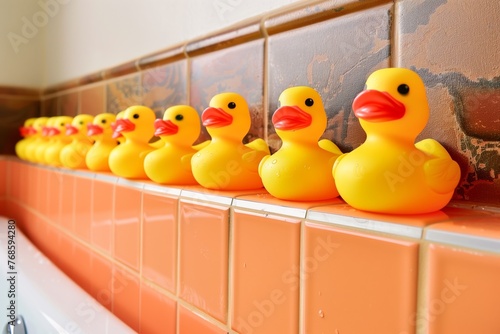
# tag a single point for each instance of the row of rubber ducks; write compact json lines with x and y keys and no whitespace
{"x":388,"y":173}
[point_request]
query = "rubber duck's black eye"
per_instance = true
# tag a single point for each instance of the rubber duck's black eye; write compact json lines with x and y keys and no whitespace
{"x":136,"y":116}
{"x":103,"y":121}
{"x":309,"y":102}
{"x":231,"y":105}
{"x":62,"y":124}
{"x":81,"y":123}
{"x":179,"y":117}
{"x":403,"y":89}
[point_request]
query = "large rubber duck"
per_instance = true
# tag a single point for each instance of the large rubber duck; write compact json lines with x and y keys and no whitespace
{"x":46,"y":134}
{"x":101,"y":131}
{"x":137,"y":126}
{"x":38,"y":126}
{"x":301,"y":170}
{"x":27,"y":132}
{"x":73,"y":155}
{"x":226,"y":163}
{"x":389,"y":173}
{"x":171,"y":163}
{"x":58,"y":139}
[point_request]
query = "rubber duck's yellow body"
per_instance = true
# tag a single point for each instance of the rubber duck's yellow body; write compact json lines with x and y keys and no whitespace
{"x":27,"y":132}
{"x":389,"y":173}
{"x":58,"y":139}
{"x":45,"y":140}
{"x":137,"y":126}
{"x":73,"y":155}
{"x":31,"y":147}
{"x":171,"y":163}
{"x":226,"y":163}
{"x":301,"y":170}
{"x":101,"y":131}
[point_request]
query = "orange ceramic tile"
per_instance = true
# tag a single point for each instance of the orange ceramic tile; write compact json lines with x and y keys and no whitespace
{"x":127,"y":225}
{"x":54,"y":187}
{"x":356,"y":282}
{"x":3,"y":177}
{"x":191,"y":323}
{"x":158,"y":312}
{"x":159,"y":241}
{"x":100,"y":283}
{"x":42,"y":191}
{"x":462,"y":293}
{"x":92,"y":100}
{"x":83,"y":200}
{"x":68,"y":202}
{"x":17,"y":183}
{"x":265,"y":257}
{"x":126,"y":296}
{"x":76,"y":261}
{"x":408,"y":226}
{"x":204,"y":235}
{"x":101,"y":230}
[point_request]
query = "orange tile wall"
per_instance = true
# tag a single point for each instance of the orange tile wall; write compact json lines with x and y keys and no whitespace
{"x":188,"y":260}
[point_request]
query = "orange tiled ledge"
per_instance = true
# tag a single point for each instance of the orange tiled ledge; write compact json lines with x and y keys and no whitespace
{"x":187,"y":260}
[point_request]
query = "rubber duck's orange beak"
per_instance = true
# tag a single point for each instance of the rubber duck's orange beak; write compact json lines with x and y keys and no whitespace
{"x":25,"y":131}
{"x":71,"y":130}
{"x":122,"y":125}
{"x":165,"y":128}
{"x":94,"y":129}
{"x":216,"y":117}
{"x":31,"y":130}
{"x":376,"y":106}
{"x":289,"y":118}
{"x":53,"y":131}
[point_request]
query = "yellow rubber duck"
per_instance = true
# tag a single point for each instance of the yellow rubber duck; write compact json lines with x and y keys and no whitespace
{"x":301,"y":170}
{"x":38,"y":126}
{"x":27,"y":131}
{"x":73,"y":155}
{"x":225,"y":163}
{"x":116,"y":134}
{"x":46,"y":140}
{"x":101,"y":131}
{"x":178,"y":130}
{"x":389,"y":173}
{"x":137,"y":126}
{"x":58,"y":139}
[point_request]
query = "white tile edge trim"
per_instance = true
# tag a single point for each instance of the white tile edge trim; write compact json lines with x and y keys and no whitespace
{"x":195,"y":195}
{"x":270,"y":208}
{"x":464,"y":240}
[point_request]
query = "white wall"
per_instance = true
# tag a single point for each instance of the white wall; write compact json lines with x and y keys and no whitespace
{"x":80,"y":37}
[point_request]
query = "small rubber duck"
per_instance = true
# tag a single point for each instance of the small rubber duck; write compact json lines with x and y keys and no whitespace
{"x":31,"y":147}
{"x":58,"y":139}
{"x":45,"y":140}
{"x":226,"y":163}
{"x":137,"y":126}
{"x":389,"y":173}
{"x":27,"y":132}
{"x":178,"y":130}
{"x":301,"y":170}
{"x":73,"y":155}
{"x":101,"y":131}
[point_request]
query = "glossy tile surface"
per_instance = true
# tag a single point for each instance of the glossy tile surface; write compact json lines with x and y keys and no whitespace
{"x":463,"y":90}
{"x":462,"y":289}
{"x":101,"y":230}
{"x":223,"y":71}
{"x":54,"y":186}
{"x":3,"y":177}
{"x":265,"y":269}
{"x":190,"y":322}
{"x":92,"y":100}
{"x":126,"y":224}
{"x":101,"y":280}
{"x":159,"y":245}
{"x":204,"y":243}
{"x":126,"y":297}
{"x":68,"y":104}
{"x":158,"y":312}
{"x":335,"y":57}
{"x":67,"y":220}
{"x":349,"y":276}
{"x":83,"y":207}
{"x":165,"y":86}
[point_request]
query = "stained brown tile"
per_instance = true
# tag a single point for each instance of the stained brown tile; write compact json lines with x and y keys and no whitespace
{"x":224,"y":71}
{"x":69,"y":104}
{"x":334,"y":57}
{"x":463,"y":87}
{"x":123,"y":93}
{"x":165,"y":86}
{"x":92,"y":100}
